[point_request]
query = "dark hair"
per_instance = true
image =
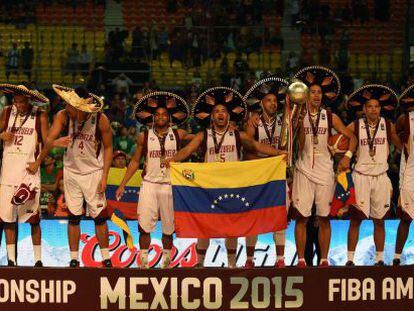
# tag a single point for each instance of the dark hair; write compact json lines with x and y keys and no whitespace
{"x":82,"y":92}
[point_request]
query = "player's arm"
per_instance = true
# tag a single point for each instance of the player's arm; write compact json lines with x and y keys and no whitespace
{"x":341,"y":128}
{"x":44,"y":125}
{"x":185,"y":152}
{"x":106,"y":134}
{"x":395,"y":139}
{"x":402,"y":128}
{"x":185,"y":136}
{"x":53,"y":133}
{"x":132,"y":167}
{"x":252,"y":145}
{"x":250,"y":129}
{"x":4,"y":134}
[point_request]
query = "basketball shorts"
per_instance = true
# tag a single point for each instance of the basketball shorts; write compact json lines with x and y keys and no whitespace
{"x":372,"y":194}
{"x":28,"y":212}
{"x":156,"y":201}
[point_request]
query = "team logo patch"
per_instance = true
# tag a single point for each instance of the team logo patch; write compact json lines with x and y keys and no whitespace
{"x":188,"y":174}
{"x":323,"y":116}
{"x":386,"y":206}
{"x":171,"y":137}
{"x":382,"y":126}
{"x":22,"y":195}
{"x":231,"y":133}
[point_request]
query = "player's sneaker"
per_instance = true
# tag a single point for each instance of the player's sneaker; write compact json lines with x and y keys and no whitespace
{"x":324,"y":263}
{"x":349,"y":263}
{"x":380,"y":263}
{"x":10,"y":263}
{"x":107,"y":263}
{"x":165,"y":264}
{"x":396,"y":262}
{"x":74,"y":263}
{"x":249,"y":264}
{"x":280,"y":263}
{"x":301,"y":263}
{"x":38,"y":264}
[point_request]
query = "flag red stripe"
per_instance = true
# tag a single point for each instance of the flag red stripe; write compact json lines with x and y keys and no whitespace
{"x":128,"y":209}
{"x":207,"y":225}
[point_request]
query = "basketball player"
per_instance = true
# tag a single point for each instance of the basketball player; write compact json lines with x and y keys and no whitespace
{"x":373,"y":187}
{"x":161,"y":110}
{"x":314,"y":177}
{"x":221,"y":143}
{"x":24,"y":128}
{"x":405,"y":209}
{"x":265,"y":97}
{"x":86,"y":163}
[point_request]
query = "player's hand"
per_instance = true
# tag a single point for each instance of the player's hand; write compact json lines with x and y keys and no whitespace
{"x":168,"y":161}
{"x":62,"y":141}
{"x":32,"y":167}
{"x":254,"y":120}
{"x":344,"y":164}
{"x":102,"y":185}
{"x":7,"y":136}
{"x":119,"y":192}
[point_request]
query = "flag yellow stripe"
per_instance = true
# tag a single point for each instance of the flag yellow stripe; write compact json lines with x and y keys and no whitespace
{"x":229,"y":174}
{"x":116,"y":175}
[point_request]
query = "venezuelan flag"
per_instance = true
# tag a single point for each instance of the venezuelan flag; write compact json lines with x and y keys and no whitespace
{"x":344,"y":193}
{"x":233,"y":199}
{"x":128,"y":204}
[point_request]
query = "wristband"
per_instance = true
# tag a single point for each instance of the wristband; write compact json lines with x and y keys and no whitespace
{"x":349,"y":154}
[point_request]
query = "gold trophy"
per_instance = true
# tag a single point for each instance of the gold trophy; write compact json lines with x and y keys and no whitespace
{"x":295,"y":106}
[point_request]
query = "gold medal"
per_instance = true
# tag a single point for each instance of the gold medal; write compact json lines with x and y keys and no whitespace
{"x":315,"y":140}
{"x":162,"y":159}
{"x":217,"y":157}
{"x":372,"y":152}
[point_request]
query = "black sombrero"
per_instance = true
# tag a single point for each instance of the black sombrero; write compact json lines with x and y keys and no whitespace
{"x":387,"y":98}
{"x":271,"y":85}
{"x":176,"y":106}
{"x":92,"y":104}
{"x":33,"y":95}
{"x":406,"y":99}
{"x":220,"y":95}
{"x":325,"y":78}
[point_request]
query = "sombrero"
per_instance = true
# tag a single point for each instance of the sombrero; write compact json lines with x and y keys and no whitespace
{"x":220,"y":95}
{"x":33,"y":95}
{"x":176,"y":106}
{"x":90,"y":105}
{"x":271,"y":85}
{"x":387,"y":98}
{"x":406,"y":99}
{"x":325,"y":78}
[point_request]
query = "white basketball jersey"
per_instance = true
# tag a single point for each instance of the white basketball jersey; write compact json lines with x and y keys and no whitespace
{"x":229,"y":150}
{"x":315,"y":160}
{"x":23,"y":149}
{"x":377,"y":164}
{"x":84,"y":155}
{"x":155,"y":171}
{"x":261,"y":135}
{"x":407,"y":164}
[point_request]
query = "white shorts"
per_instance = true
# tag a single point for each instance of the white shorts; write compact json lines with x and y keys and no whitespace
{"x":305,"y":192}
{"x":372,"y":194}
{"x":83,"y":187}
{"x":28,"y":212}
{"x":407,"y":202}
{"x":156,"y":201}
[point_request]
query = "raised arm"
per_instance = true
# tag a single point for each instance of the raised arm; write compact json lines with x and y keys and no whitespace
{"x":251,"y":144}
{"x":185,"y":152}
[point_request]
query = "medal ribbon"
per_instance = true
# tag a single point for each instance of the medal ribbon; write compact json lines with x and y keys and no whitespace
{"x":371,"y":140}
{"x":270,"y":133}
{"x":315,"y":125}
{"x":161,"y":140}
{"x":217,"y":146}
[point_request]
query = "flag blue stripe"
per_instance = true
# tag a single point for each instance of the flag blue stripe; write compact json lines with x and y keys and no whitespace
{"x":231,"y":200}
{"x":130,"y":195}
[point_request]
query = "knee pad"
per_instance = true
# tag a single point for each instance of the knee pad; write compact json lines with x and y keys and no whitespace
{"x":100,"y":220}
{"x":74,"y":220}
